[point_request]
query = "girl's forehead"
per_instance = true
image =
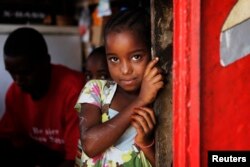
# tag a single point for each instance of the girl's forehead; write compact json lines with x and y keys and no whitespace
{"x":124,"y":37}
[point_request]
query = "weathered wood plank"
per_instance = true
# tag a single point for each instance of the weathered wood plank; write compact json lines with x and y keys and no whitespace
{"x":162,"y":17}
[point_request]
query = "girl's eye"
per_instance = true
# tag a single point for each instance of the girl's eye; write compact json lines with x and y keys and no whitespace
{"x":114,"y":59}
{"x":136,"y":57}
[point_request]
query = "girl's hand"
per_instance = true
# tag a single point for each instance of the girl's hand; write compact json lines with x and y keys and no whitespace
{"x":143,"y":120}
{"x":151,"y":83}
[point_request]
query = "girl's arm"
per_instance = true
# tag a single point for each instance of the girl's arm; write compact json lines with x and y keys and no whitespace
{"x":143,"y":120}
{"x":96,"y":136}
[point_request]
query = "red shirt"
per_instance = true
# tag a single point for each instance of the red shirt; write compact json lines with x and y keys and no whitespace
{"x":52,"y":120}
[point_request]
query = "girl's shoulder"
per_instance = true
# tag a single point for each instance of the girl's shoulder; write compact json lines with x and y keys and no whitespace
{"x":97,"y":92}
{"x":100,"y":85}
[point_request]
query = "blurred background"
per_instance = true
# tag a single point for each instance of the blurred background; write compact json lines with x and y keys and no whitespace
{"x":72,"y":28}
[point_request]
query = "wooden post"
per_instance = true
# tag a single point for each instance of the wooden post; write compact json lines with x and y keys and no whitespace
{"x":161,"y":20}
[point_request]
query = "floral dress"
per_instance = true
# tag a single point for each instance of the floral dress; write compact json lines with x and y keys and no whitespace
{"x":124,"y":152}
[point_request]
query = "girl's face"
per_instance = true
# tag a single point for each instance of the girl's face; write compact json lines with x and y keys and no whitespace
{"x":127,"y":59}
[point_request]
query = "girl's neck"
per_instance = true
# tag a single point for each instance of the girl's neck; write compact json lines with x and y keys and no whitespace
{"x":128,"y":94}
{"x":122,"y":99}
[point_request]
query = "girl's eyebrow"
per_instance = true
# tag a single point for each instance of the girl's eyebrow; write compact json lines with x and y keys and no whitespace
{"x":110,"y":54}
{"x":138,"y":50}
{"x":133,"y":51}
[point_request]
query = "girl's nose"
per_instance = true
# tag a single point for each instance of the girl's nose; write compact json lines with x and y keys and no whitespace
{"x":126,"y":68}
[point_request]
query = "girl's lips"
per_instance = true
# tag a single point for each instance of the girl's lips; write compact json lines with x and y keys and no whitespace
{"x":127,"y":81}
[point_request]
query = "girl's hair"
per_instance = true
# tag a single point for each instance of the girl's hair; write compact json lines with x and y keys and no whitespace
{"x":135,"y":20}
{"x":26,"y":42}
{"x":98,"y":51}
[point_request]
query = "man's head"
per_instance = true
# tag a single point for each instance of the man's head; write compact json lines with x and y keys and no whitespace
{"x":27,"y":60}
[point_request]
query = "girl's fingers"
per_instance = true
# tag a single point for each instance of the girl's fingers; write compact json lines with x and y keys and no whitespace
{"x":138,"y":127}
{"x":154,"y":71}
{"x":146,"y":113}
{"x":159,"y":85}
{"x":150,"y":65}
{"x":157,"y":78}
{"x":145,"y":118}
{"x":143,"y":123}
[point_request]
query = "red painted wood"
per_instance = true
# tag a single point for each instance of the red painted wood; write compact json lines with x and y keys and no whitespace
{"x":194,"y":128}
{"x":225,"y":91}
{"x":186,"y":76}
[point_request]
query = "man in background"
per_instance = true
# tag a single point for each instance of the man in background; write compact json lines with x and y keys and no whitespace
{"x":40,"y":125}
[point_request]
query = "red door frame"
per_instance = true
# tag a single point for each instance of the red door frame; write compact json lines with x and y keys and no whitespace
{"x":186,"y":89}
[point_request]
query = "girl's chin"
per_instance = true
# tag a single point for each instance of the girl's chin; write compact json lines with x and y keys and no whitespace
{"x":131,"y":89}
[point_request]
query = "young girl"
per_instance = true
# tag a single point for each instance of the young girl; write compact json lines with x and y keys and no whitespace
{"x":116,"y":122}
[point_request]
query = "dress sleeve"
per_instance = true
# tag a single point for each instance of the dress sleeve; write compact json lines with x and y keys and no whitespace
{"x":91,"y":93}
